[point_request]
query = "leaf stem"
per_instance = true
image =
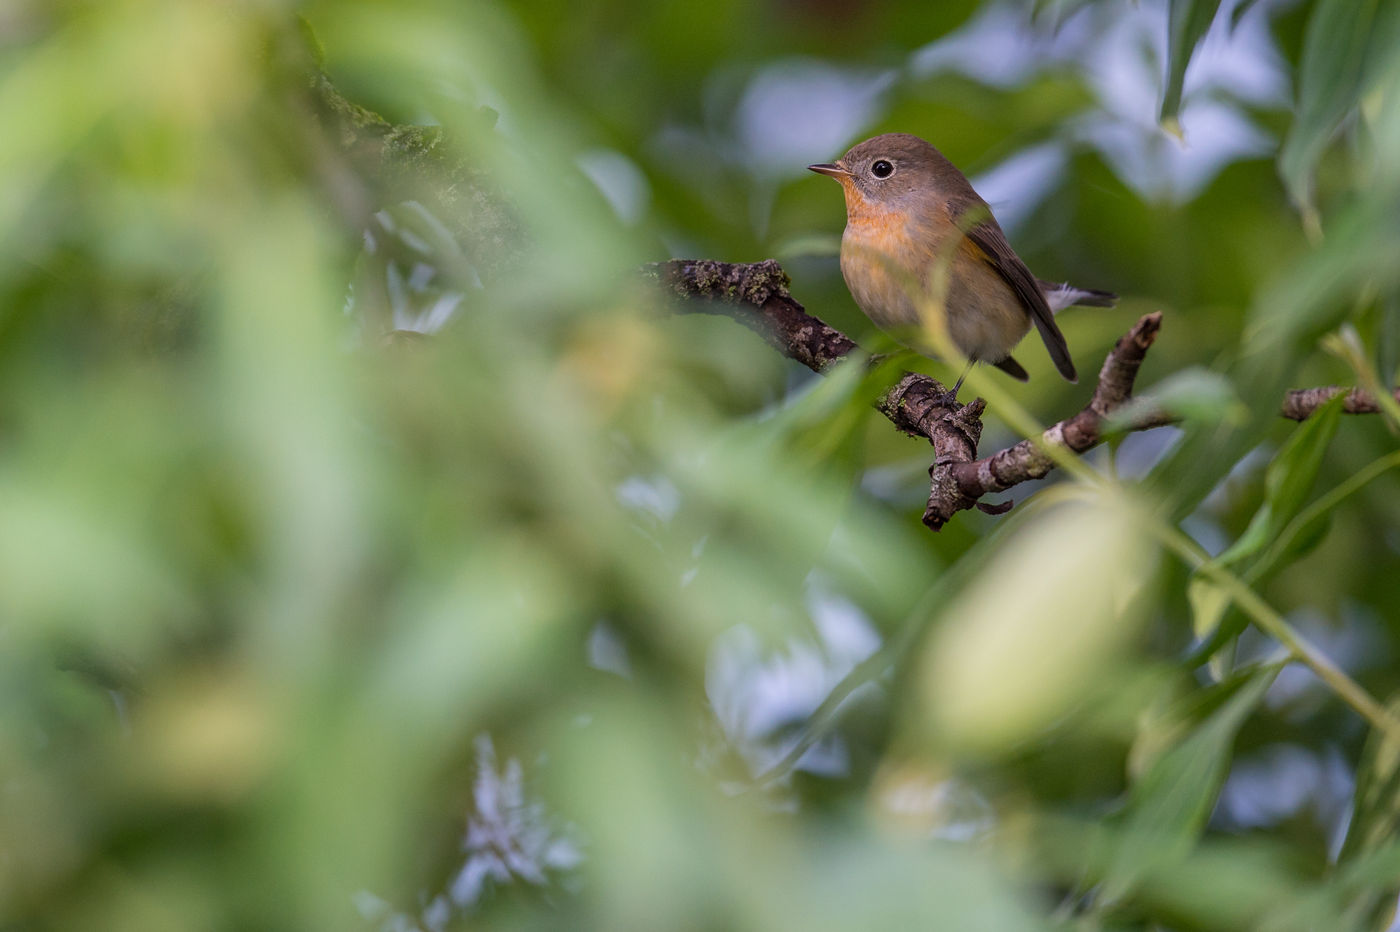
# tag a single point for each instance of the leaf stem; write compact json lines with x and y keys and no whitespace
{"x":1272,"y":623}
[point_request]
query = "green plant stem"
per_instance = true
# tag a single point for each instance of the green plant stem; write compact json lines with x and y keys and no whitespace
{"x":1272,"y":623}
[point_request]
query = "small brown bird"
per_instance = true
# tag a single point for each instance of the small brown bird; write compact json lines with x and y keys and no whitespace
{"x":909,"y":211}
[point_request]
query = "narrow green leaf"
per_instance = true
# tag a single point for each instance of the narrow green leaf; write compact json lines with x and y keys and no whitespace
{"x":1375,"y":818}
{"x":1190,"y":20}
{"x":1194,"y":394}
{"x":1287,"y":482}
{"x":1300,"y":535}
{"x":1291,"y":475}
{"x":1208,"y":605}
{"x":1380,"y":104}
{"x":1022,"y":642}
{"x":1329,"y":86}
{"x":1173,"y":798}
{"x":1388,"y":339}
{"x":1295,"y":541}
{"x":1375,"y":815}
{"x":1311,"y":524}
{"x":1254,"y":538}
{"x":1319,"y":292}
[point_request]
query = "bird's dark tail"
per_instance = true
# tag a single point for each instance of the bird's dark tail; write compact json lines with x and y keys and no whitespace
{"x":1014,"y":369}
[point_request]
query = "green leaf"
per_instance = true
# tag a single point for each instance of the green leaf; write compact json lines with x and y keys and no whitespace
{"x":1376,"y":810}
{"x":1208,"y":604}
{"x":1288,"y":481}
{"x":1172,"y":799}
{"x":1388,"y":339}
{"x":1312,"y":523}
{"x":1190,"y":20}
{"x":1375,"y":818}
{"x":1297,"y":537}
{"x":1380,"y":104}
{"x":1318,"y":292}
{"x":1302,"y":535}
{"x":1021,"y":644}
{"x":1194,"y":394}
{"x":1329,"y":86}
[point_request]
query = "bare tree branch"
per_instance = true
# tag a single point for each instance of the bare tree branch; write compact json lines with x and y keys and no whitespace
{"x":740,"y":290}
{"x":964,"y":483}
{"x":1302,"y":402}
{"x":756,"y":295}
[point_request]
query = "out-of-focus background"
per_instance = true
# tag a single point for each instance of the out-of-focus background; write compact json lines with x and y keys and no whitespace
{"x":559,"y":610}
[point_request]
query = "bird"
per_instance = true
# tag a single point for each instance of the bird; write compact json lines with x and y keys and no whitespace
{"x":910,"y":213}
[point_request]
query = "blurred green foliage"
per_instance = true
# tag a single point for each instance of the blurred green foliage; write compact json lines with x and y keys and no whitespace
{"x":578,"y":614}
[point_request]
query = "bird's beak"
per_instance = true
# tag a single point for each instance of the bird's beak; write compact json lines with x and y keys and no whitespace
{"x":833,"y":169}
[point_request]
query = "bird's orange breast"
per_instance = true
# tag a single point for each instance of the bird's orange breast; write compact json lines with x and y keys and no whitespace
{"x":883,"y":261}
{"x":876,"y":226}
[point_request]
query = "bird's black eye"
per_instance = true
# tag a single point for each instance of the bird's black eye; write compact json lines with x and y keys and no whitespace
{"x":881,"y":168}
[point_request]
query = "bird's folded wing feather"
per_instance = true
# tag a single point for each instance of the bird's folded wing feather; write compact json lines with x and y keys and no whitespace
{"x":982,"y":229}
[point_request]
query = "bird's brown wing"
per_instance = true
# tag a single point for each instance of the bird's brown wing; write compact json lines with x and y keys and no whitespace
{"x":982,"y":229}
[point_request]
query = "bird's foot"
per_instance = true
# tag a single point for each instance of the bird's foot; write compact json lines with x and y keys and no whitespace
{"x":949,"y":400}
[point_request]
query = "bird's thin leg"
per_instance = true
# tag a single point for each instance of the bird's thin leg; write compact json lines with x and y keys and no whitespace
{"x":951,"y":399}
